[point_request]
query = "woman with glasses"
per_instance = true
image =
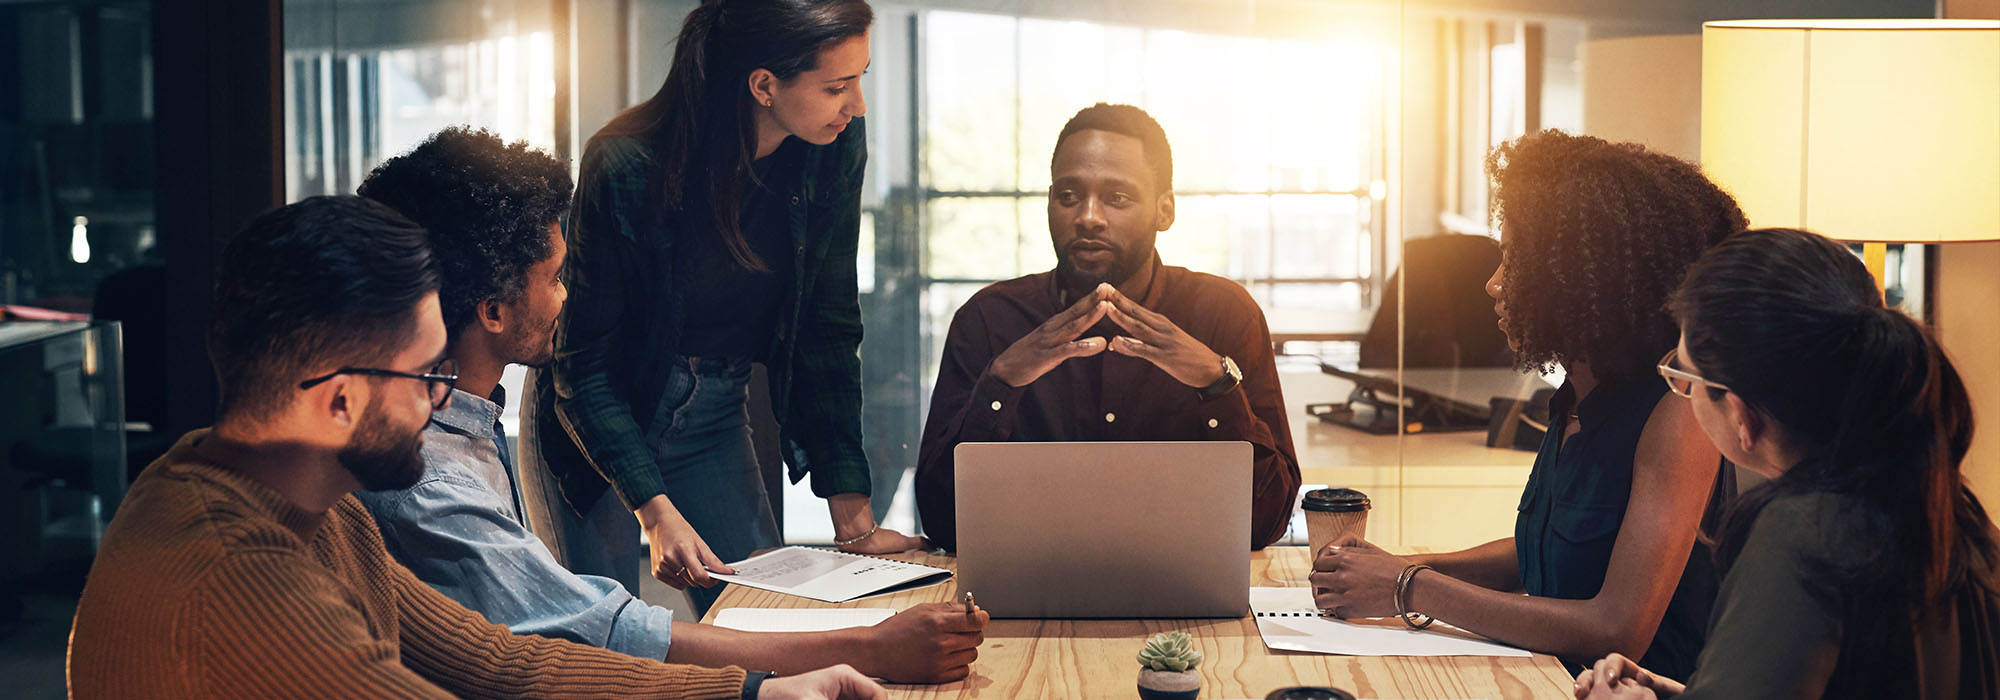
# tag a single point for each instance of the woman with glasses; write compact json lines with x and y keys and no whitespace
{"x":715,"y":226}
{"x":1593,"y":236}
{"x":1864,"y":568}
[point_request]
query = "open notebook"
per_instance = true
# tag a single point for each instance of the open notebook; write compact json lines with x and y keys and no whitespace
{"x":800,"y":619}
{"x":830,"y":576}
{"x":1288,"y":620}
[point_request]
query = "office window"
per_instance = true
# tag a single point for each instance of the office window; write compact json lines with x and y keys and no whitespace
{"x":1279,"y":156}
{"x":366,"y":81}
{"x":354,"y":102}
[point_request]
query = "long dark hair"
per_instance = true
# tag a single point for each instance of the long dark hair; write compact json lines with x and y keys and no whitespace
{"x":700,"y":126}
{"x":1793,"y":324}
{"x":1598,"y":233}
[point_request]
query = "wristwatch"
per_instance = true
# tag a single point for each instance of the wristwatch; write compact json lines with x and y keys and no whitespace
{"x":1231,"y":378}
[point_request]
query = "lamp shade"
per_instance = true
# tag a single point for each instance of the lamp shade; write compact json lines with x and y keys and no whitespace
{"x":1860,"y":130}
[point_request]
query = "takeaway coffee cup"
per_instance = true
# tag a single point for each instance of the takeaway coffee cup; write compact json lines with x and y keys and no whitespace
{"x":1331,"y":513}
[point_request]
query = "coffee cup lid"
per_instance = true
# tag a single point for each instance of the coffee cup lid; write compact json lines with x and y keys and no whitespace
{"x":1335,"y":501}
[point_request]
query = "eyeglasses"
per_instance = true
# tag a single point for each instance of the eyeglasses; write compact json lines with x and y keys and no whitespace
{"x":439,"y":380}
{"x":1681,"y":381}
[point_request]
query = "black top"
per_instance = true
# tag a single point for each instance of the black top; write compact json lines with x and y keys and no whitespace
{"x":733,"y":311}
{"x":1784,"y":629}
{"x":1575,"y":501}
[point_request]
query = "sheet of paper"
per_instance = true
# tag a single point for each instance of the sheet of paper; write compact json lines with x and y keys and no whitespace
{"x":1282,"y":600}
{"x":800,"y":619}
{"x":829,"y":576}
{"x":1288,"y":620}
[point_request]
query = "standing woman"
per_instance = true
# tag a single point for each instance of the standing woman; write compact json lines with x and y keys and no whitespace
{"x":714,"y":226}
{"x":1594,"y":236}
{"x":1865,"y":568}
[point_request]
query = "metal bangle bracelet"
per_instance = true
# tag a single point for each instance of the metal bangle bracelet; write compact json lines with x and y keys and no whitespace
{"x":1402,"y":591}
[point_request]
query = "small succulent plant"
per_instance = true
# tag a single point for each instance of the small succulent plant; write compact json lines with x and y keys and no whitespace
{"x":1170,"y":651}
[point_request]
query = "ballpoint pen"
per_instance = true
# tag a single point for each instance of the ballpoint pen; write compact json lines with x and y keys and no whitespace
{"x":968,"y":605}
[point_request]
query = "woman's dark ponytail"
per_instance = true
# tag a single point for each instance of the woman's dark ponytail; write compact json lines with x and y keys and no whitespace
{"x":1796,"y":327}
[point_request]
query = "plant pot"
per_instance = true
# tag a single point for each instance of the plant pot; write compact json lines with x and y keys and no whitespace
{"x":1168,"y":685}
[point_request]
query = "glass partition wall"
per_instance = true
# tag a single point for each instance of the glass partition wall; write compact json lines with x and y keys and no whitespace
{"x":1329,"y":157}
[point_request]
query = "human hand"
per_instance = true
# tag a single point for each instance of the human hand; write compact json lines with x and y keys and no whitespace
{"x":1154,"y":338}
{"x":1616,"y":676}
{"x":1054,"y":342}
{"x":886,"y":541}
{"x":831,"y":683}
{"x":1627,"y":689}
{"x":929,"y":643}
{"x":680,"y":558}
{"x":853,"y":517}
{"x":1352,"y":578}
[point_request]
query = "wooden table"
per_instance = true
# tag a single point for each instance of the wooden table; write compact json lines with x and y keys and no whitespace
{"x":1097,"y":658}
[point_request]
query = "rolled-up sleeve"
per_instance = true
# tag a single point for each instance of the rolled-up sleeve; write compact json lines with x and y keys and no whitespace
{"x":454,"y":534}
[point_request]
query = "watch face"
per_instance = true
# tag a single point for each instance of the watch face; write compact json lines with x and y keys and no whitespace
{"x":1231,"y":378}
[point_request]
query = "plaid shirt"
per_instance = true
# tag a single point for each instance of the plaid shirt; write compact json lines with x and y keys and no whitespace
{"x":623,"y":322}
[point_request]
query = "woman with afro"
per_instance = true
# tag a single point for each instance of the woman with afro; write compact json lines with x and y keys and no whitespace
{"x":1594,"y":238}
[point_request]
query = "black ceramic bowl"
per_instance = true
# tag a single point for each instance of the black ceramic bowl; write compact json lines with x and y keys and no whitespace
{"x":1309,"y":693}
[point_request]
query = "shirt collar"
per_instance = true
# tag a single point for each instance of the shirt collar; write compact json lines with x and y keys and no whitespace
{"x":471,"y":414}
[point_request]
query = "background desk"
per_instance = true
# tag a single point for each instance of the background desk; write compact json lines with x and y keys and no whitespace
{"x":1431,"y":491}
{"x":1097,"y":658}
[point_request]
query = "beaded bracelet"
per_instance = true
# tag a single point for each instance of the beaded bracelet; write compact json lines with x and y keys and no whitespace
{"x":870,"y":533}
{"x":1402,"y":590}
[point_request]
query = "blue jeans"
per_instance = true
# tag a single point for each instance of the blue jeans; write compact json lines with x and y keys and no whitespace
{"x":700,"y":436}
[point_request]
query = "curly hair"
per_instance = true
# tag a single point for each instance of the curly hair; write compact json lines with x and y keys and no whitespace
{"x":488,"y":205}
{"x":1598,"y":235}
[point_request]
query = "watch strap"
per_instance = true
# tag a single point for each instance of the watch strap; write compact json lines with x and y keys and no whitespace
{"x":1231,"y":378}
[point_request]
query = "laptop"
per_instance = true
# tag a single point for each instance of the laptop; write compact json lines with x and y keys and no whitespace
{"x":1105,"y":529}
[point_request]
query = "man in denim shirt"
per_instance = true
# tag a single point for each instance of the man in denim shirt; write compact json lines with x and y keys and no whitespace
{"x":492,"y":211}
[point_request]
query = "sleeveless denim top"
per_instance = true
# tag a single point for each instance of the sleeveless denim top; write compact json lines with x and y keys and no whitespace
{"x":1575,"y":501}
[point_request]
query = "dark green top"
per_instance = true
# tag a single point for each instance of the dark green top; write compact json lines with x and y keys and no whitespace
{"x":1779,"y":631}
{"x":625,"y":318}
{"x":1575,"y":502}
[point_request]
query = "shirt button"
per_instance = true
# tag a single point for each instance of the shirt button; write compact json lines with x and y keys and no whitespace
{"x":1213,"y":422}
{"x":996,"y":405}
{"x":1110,"y":417}
{"x":795,"y":200}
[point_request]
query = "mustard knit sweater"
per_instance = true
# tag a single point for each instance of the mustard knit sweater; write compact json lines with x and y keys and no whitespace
{"x":209,"y":585}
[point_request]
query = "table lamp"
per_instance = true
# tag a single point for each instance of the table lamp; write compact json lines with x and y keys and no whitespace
{"x":1872,"y":131}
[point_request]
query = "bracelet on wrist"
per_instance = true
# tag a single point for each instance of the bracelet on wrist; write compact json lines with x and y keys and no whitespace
{"x":1403,"y":610}
{"x":870,"y":533}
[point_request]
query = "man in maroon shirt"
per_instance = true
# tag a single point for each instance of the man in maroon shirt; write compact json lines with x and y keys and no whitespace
{"x":1111,"y":344}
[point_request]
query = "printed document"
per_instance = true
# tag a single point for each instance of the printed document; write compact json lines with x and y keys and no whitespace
{"x":1288,"y":620}
{"x":830,"y":576}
